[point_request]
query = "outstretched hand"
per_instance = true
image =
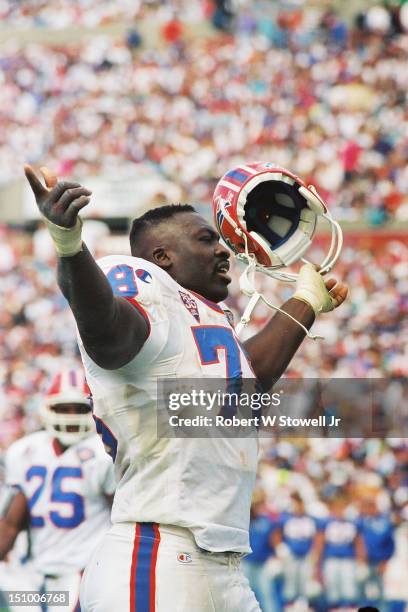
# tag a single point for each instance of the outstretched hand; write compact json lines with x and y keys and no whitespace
{"x":59,"y":202}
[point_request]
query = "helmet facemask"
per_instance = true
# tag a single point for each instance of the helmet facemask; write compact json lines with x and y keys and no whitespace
{"x":67,"y":412}
{"x":69,"y":428}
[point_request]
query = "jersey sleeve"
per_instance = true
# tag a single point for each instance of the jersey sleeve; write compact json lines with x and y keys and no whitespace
{"x":135,"y":280}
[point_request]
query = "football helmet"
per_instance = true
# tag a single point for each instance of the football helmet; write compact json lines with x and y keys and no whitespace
{"x":68,"y":387}
{"x":268,"y":215}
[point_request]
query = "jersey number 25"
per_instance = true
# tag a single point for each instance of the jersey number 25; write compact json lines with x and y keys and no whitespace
{"x":58,"y":496}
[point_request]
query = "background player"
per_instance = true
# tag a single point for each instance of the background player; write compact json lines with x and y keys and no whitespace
{"x":340,"y":554}
{"x":176,"y":498}
{"x":377,"y":530}
{"x":261,"y":566}
{"x":63,"y":482}
{"x":297,"y":533}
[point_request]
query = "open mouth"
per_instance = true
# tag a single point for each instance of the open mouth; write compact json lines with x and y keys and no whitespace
{"x":222,"y":269}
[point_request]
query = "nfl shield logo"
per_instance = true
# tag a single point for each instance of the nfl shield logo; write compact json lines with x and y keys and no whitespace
{"x":191,"y":305}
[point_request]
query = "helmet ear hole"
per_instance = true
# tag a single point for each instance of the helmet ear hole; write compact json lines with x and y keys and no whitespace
{"x":273,"y":210}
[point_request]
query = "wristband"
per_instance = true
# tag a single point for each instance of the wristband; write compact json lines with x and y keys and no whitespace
{"x":67,"y":240}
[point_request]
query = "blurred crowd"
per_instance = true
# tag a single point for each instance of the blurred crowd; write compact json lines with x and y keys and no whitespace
{"x":302,"y":88}
{"x":91,"y":13}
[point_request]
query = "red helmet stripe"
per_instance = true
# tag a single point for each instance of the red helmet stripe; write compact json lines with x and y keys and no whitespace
{"x":56,"y":385}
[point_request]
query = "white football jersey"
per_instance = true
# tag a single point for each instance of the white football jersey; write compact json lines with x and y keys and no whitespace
{"x":202,"y":484}
{"x":69,"y":513}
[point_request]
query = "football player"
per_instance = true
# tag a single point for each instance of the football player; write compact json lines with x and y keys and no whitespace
{"x":340,"y":554}
{"x":377,"y":530}
{"x":297,"y":535}
{"x":61,"y":484}
{"x":260,"y":566}
{"x":181,"y":509}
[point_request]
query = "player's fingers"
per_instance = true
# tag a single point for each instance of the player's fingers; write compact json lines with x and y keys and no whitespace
{"x":71,"y":195}
{"x":49,"y":176}
{"x":74,"y":208}
{"x":330,"y":283}
{"x":36,"y":185}
{"x":60,"y":188}
{"x":339,"y":294}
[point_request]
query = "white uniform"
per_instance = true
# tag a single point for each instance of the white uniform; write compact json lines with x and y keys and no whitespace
{"x":200,"y":487}
{"x":66,"y":497}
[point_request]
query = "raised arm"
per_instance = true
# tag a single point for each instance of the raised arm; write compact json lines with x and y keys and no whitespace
{"x":272,"y":349}
{"x":112,"y":330}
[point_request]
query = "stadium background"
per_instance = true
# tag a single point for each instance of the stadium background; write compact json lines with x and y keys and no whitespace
{"x":150,"y":102}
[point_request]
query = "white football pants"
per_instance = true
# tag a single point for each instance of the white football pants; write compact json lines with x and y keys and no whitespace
{"x":145,"y":567}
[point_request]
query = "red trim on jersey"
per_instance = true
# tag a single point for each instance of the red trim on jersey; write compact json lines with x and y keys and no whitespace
{"x":153,"y":567}
{"x":142,"y":311}
{"x":133,"y":568}
{"x":56,"y":445}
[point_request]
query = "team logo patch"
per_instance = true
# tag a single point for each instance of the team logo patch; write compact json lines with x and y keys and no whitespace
{"x":191,"y":305}
{"x":84,"y":454}
{"x":144,"y":275}
{"x":184,"y":558}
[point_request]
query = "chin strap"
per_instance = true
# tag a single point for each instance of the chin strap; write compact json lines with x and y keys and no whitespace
{"x":247,"y":287}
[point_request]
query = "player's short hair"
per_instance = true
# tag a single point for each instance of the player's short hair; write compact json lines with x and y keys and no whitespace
{"x":155,"y":216}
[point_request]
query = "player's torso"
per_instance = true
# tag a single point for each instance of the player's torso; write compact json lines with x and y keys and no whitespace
{"x":200,"y":339}
{"x":190,"y":339}
{"x":298,"y":533}
{"x":299,"y":527}
{"x":339,"y":538}
{"x":67,"y":511}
